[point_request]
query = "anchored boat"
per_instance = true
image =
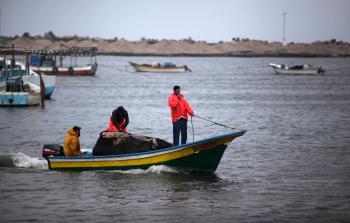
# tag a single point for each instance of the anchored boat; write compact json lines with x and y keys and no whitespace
{"x":162,"y":68}
{"x":297,"y":69}
{"x":202,"y":155}
{"x":15,"y":89}
{"x":51,"y":62}
{"x":30,"y":77}
{"x":13,"y":68}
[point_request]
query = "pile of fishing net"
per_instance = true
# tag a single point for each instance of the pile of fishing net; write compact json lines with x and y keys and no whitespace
{"x":115,"y":143}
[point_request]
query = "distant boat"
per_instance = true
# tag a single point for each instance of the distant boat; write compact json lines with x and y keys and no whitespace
{"x":202,"y":155}
{"x":88,"y":70}
{"x":31,"y":77}
{"x":51,"y":62}
{"x":162,"y":68}
{"x":297,"y":69}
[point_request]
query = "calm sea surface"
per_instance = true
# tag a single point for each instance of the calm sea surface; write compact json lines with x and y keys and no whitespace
{"x":293,"y":164}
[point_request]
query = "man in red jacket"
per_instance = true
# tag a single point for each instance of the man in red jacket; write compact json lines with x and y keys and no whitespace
{"x":179,"y":110}
{"x":119,"y":120}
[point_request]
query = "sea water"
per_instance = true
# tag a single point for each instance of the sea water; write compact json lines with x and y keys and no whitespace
{"x":292,"y":165}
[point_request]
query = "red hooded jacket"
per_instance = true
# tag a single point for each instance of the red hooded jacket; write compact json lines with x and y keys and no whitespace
{"x":112,"y":127}
{"x":179,"y":107}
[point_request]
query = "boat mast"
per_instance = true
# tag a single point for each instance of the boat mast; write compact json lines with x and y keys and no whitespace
{"x":26,"y":61}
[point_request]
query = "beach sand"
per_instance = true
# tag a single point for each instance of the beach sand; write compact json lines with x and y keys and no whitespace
{"x":185,"y":47}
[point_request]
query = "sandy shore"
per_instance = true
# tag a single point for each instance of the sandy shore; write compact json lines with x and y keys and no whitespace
{"x":186,"y":47}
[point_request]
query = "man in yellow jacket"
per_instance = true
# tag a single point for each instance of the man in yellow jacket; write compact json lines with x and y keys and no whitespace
{"x":71,"y":142}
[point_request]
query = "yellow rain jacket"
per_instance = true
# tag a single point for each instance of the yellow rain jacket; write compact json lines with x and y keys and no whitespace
{"x":71,"y":144}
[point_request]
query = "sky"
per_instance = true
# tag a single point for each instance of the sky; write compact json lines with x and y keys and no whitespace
{"x":208,"y":20}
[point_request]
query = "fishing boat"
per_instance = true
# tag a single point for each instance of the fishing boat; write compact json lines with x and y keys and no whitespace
{"x":51,"y":62}
{"x":18,"y":93}
{"x":11,"y":68}
{"x":30,"y":77}
{"x":296,"y":69}
{"x":202,"y":155}
{"x":161,"y":68}
{"x":14,"y":91}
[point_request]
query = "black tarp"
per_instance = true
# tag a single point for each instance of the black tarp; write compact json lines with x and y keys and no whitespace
{"x":115,"y":143}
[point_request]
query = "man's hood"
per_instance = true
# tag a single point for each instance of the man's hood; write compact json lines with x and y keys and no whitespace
{"x":70,"y":131}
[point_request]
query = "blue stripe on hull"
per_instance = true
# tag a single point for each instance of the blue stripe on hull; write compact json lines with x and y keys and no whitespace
{"x":8,"y":100}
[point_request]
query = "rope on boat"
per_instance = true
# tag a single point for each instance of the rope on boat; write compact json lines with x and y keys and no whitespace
{"x":216,"y":123}
{"x":112,"y":67}
{"x":192,"y":129}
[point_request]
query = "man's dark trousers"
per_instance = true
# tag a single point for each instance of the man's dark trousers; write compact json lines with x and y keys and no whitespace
{"x":180,"y":126}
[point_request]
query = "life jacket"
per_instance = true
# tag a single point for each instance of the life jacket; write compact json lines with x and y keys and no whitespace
{"x":112,"y":127}
{"x":179,"y":107}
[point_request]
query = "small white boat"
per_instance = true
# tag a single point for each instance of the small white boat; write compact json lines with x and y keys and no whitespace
{"x":296,"y":69}
{"x":160,"y":68}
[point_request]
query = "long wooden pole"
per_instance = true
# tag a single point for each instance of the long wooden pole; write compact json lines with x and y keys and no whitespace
{"x":42,"y":91}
